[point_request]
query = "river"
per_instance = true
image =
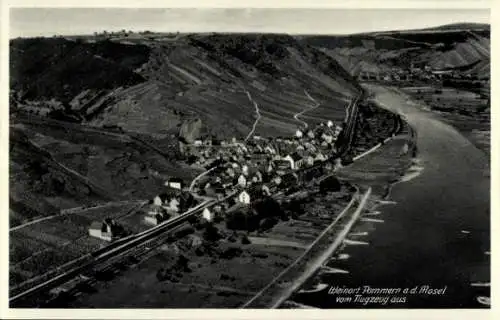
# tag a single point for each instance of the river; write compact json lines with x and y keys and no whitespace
{"x":436,"y":233}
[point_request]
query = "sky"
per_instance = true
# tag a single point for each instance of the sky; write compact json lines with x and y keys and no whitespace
{"x":29,"y":22}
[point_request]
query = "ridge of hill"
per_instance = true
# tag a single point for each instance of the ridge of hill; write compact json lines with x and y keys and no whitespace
{"x":445,"y":47}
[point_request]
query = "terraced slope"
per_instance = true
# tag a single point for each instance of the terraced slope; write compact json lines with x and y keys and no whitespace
{"x":454,"y":46}
{"x":158,"y":86}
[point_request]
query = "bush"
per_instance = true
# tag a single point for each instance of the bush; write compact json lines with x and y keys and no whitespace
{"x":245,"y":240}
{"x":268,"y":223}
{"x":330,"y":184}
{"x":231,"y":253}
{"x":211,"y":233}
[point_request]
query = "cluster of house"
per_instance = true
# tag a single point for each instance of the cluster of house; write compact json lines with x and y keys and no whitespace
{"x":244,"y":172}
{"x":174,"y":200}
{"x":422,"y":73}
{"x":304,"y":148}
{"x":262,"y":166}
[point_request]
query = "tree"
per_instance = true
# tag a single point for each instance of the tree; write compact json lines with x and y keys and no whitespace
{"x":330,"y":184}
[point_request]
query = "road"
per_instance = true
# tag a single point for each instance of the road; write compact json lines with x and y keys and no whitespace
{"x":75,"y":210}
{"x":191,"y":186}
{"x":290,"y":279}
{"x":347,"y":134}
{"x":257,"y":110}
{"x":298,"y":114}
{"x":436,"y":229}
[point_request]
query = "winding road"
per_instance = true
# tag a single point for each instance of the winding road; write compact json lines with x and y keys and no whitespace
{"x":298,"y":114}
{"x":257,"y":110}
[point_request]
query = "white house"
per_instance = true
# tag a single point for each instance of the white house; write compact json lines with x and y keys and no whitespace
{"x":270,"y":150}
{"x":244,"y":170}
{"x":310,"y":134}
{"x":101,"y":230}
{"x":207,"y":214}
{"x":309,"y":160}
{"x":244,"y":197}
{"x":259,"y":176}
{"x":299,"y":134}
{"x":175,"y":183}
{"x":242,"y":181}
{"x":277,"y":180}
{"x":290,"y":160}
{"x":338,"y":164}
{"x":157,"y":201}
{"x":198,"y":143}
{"x":329,"y":123}
{"x":173,"y":205}
{"x":320,"y":157}
{"x":265,"y":190}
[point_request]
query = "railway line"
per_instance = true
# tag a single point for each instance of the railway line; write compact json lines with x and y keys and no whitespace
{"x":116,"y":250}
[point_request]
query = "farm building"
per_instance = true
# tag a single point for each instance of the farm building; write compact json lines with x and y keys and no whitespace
{"x":207,"y":214}
{"x":106,"y":230}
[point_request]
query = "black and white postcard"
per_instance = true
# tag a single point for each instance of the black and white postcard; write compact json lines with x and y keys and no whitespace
{"x":248,"y":158}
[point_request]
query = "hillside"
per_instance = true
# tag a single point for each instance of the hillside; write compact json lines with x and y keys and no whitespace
{"x":446,"y":47}
{"x":158,"y":85}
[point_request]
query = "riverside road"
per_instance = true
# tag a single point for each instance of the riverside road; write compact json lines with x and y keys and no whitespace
{"x":437,"y":231}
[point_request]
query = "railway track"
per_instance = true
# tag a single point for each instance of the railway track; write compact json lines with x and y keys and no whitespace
{"x":117,"y":249}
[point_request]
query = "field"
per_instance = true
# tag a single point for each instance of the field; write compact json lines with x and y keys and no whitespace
{"x":383,"y":166}
{"x":42,"y":246}
{"x":62,"y":178}
{"x":109,"y":167}
{"x":467,"y":111}
{"x":215,"y":273}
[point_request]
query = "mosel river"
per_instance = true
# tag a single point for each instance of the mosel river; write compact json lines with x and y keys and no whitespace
{"x":429,"y":248}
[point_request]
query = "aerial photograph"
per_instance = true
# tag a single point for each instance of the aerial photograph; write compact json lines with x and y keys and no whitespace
{"x":249,"y":158}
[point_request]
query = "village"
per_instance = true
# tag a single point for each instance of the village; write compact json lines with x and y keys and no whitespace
{"x":422,"y":73}
{"x":238,"y":173}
